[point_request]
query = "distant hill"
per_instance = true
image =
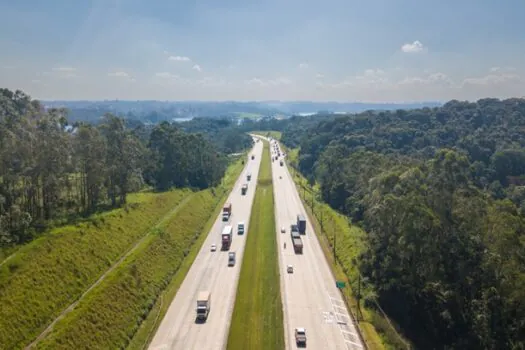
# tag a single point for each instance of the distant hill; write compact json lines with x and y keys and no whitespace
{"x":156,"y":111}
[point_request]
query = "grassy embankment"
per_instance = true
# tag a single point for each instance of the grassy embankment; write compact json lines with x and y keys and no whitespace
{"x":350,"y":243}
{"x":257,"y":320}
{"x":125,"y":309}
{"x":50,"y":273}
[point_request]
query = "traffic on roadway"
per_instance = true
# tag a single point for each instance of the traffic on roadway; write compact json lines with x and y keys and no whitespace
{"x":199,"y":316}
{"x":314,"y":312}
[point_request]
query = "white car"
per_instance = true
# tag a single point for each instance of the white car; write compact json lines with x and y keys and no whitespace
{"x":213,"y":247}
{"x":289,"y":269}
{"x":283,"y":229}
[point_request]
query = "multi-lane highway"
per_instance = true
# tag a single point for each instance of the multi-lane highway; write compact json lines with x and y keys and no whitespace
{"x":310,"y":297}
{"x":210,"y":272}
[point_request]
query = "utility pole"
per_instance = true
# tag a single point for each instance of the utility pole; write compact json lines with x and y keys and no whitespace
{"x":358,"y":294}
{"x":313,"y":200}
{"x":335,"y":239}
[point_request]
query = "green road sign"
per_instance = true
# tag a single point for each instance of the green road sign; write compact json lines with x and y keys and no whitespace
{"x":340,"y":284}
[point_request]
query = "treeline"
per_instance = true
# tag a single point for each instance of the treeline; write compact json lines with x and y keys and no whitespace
{"x":51,"y":171}
{"x":441,"y":194}
{"x":224,"y":133}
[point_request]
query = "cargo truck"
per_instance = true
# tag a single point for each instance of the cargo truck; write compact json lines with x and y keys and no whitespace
{"x":226,"y":211}
{"x":301,"y":224}
{"x":297,"y":245}
{"x":244,"y":189}
{"x":227,"y":237}
{"x":203,"y":305}
{"x":240,"y":228}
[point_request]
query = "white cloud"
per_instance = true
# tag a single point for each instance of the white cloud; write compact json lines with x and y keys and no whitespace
{"x":269,"y":82}
{"x":432,"y":79}
{"x":319,"y":76}
{"x":373,"y":72}
{"x":64,"y":69}
{"x":303,"y":65}
{"x":502,"y":69}
{"x":179,"y":58}
{"x":493,"y":79}
{"x":119,"y":74}
{"x":414,"y":47}
{"x":36,"y":81}
{"x":166,"y":75}
{"x":196,"y":67}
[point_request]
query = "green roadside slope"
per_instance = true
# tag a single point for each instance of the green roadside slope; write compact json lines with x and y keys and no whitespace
{"x":123,"y":310}
{"x":46,"y":276}
{"x":257,"y":320}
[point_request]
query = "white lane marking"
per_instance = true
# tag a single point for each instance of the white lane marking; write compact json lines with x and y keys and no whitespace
{"x":346,"y":327}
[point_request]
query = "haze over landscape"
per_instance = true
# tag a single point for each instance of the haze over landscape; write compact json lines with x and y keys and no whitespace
{"x":337,"y":50}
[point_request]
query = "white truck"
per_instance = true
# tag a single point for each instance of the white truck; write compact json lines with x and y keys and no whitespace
{"x":203,"y":305}
{"x":227,"y":237}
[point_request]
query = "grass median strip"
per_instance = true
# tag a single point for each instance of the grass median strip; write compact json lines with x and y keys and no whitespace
{"x":257,"y":320}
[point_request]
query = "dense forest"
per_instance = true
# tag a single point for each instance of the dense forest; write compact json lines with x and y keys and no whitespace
{"x":52,"y":171}
{"x":441,"y":193}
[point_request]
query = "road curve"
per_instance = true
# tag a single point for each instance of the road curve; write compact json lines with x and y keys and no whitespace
{"x":310,"y":298}
{"x":210,"y":271}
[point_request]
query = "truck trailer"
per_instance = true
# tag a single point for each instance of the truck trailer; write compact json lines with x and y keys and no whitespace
{"x":301,"y":224}
{"x":226,"y":237}
{"x":226,"y":211}
{"x":203,"y":305}
{"x":297,"y":245}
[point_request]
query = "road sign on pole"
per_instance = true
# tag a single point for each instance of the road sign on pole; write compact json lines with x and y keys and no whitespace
{"x":340,"y":284}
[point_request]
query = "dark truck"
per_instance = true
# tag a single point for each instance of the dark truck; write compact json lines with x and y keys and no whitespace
{"x":244,"y":189}
{"x":296,"y":240}
{"x":301,"y":224}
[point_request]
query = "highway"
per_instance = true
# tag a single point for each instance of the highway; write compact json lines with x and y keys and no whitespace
{"x":310,"y":298}
{"x":210,"y":271}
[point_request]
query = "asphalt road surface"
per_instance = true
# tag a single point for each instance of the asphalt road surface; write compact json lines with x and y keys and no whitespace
{"x":210,"y":271}
{"x":310,"y":297}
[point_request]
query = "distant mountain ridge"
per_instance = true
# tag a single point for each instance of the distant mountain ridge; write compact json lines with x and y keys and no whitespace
{"x":156,"y":111}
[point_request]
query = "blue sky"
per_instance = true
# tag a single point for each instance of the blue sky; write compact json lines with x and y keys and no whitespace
{"x":344,"y":50}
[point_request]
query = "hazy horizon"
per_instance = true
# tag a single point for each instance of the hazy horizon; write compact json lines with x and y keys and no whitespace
{"x":336,"y":50}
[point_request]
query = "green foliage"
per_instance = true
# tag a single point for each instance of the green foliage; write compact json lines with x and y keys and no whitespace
{"x":440,"y":193}
{"x":224,"y":133}
{"x":50,"y":273}
{"x":257,"y":320}
{"x":113,"y":312}
{"x":52,"y":172}
{"x":180,"y":159}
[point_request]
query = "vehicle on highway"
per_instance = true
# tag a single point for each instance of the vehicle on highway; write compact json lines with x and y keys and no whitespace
{"x":244,"y":189}
{"x":226,"y":211}
{"x":253,"y":157}
{"x":231,"y":259}
{"x":240,"y":228}
{"x":203,"y":305}
{"x":213,"y":247}
{"x":289,"y":269}
{"x":283,"y":229}
{"x":227,"y":236}
{"x":280,"y":177}
{"x":301,"y":224}
{"x":300,"y":337}
{"x":248,"y":176}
